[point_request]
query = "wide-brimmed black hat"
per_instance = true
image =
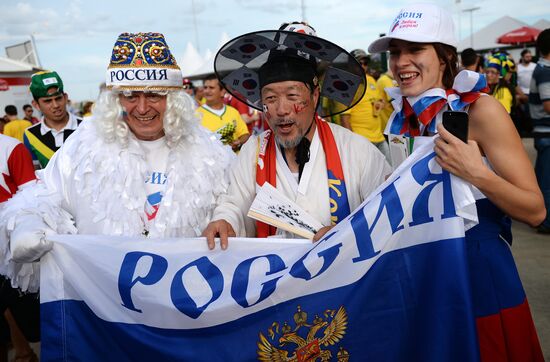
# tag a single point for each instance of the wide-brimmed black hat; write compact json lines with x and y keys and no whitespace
{"x":247,"y":63}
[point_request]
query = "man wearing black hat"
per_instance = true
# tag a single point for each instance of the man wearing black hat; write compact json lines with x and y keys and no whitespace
{"x":325,"y":169}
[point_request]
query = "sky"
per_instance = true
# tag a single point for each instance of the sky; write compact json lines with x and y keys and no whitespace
{"x":75,"y":37}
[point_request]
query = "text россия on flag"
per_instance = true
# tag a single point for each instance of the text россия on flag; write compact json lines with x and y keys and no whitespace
{"x":389,"y":283}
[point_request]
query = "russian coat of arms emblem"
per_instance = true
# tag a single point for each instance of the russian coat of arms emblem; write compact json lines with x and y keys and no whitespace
{"x":306,"y":341}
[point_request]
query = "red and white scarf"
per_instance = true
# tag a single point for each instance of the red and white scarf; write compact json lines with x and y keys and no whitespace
{"x":266,"y":171}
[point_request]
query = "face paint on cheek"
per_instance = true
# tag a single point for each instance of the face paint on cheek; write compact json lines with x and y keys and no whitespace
{"x":300,"y":106}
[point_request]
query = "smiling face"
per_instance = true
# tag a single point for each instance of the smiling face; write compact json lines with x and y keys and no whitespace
{"x":289,"y":108}
{"x":213,"y":93}
{"x":415,"y":66}
{"x":144,"y":114}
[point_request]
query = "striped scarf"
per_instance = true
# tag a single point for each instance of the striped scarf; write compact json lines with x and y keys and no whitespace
{"x":417,"y":116}
{"x":266,"y":171}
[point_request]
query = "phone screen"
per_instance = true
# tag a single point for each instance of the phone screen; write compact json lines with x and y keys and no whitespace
{"x":457,"y":124}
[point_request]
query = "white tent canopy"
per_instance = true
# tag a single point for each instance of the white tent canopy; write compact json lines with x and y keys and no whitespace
{"x":191,"y":60}
{"x":207,"y":65}
{"x":206,"y":68}
{"x":486,"y":38}
{"x":542,"y":24}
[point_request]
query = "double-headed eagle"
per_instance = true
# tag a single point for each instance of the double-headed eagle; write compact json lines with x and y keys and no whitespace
{"x":308,"y":349}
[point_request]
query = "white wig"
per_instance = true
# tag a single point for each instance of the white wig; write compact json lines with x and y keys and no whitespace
{"x":180,"y":120}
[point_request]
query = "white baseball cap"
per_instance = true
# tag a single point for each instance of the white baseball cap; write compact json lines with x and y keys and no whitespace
{"x":419,"y":23}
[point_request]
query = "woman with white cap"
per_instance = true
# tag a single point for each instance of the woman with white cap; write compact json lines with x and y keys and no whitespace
{"x":423,"y":59}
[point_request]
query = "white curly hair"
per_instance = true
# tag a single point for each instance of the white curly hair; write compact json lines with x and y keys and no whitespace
{"x":180,"y":120}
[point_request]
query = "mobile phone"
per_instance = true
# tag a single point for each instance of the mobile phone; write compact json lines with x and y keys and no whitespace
{"x":457,"y":124}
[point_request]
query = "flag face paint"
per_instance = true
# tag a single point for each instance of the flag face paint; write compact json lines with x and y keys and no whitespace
{"x":385,"y":284}
{"x":300,"y":106}
{"x":283,"y":98}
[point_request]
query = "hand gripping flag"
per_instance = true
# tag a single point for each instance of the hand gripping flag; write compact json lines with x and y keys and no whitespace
{"x":388,"y":283}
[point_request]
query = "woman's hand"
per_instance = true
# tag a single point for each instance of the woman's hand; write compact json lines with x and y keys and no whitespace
{"x":460,"y":159}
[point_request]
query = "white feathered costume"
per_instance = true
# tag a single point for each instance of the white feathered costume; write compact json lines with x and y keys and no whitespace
{"x":95,"y":185}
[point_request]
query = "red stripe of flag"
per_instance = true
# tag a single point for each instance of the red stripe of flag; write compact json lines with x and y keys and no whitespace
{"x":408,"y":112}
{"x":429,"y":113}
{"x":469,"y":97}
{"x":16,"y":81}
{"x":509,"y":336}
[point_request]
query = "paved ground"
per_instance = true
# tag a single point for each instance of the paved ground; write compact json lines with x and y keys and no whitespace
{"x":532,"y":254}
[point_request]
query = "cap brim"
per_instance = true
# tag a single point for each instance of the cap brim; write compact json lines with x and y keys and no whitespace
{"x":380,"y":45}
{"x":44,"y":94}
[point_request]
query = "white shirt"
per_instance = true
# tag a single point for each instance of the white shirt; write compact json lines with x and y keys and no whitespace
{"x":364,"y":169}
{"x":156,"y":156}
{"x":72,"y":123}
{"x":217,"y":112}
{"x":525,"y":72}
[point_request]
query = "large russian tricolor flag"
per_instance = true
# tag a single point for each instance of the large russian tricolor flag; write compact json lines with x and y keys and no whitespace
{"x":389,"y":283}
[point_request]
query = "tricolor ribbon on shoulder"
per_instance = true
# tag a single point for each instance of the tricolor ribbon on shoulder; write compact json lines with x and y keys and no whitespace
{"x":414,"y":116}
{"x":467,"y":88}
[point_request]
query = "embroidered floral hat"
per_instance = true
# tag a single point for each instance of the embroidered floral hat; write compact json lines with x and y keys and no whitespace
{"x":247,"y":63}
{"x":143,"y":61}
